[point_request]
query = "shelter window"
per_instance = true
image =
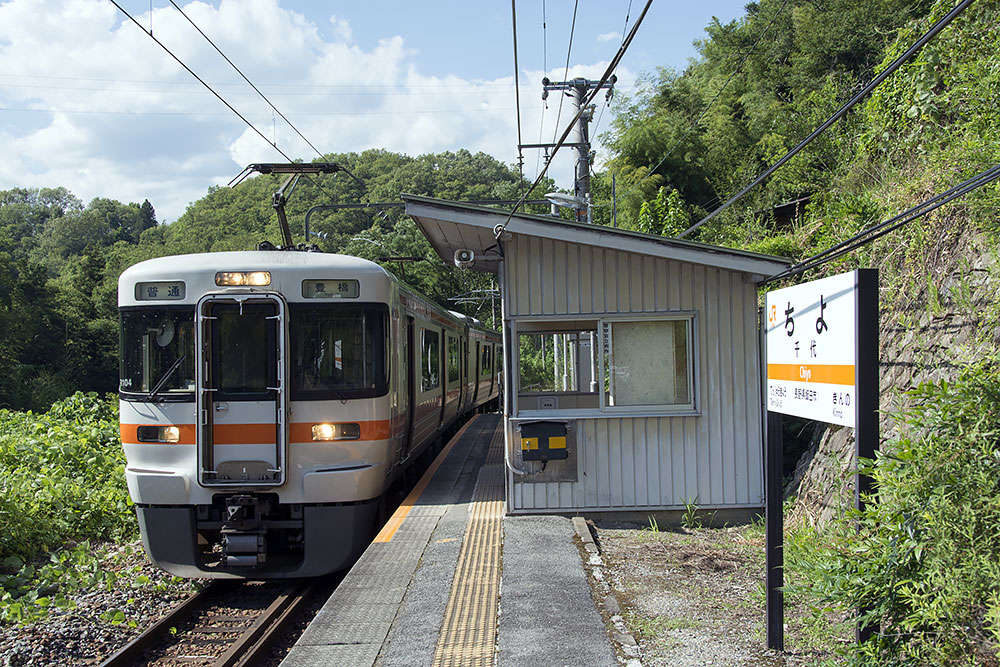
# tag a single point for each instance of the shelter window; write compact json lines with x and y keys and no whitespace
{"x":647,"y":363}
{"x":613,"y":365}
{"x":430,"y":359}
{"x":557,"y":367}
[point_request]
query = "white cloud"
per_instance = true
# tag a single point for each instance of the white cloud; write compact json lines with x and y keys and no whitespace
{"x":609,"y":36}
{"x":341,"y":28}
{"x":115,"y":116}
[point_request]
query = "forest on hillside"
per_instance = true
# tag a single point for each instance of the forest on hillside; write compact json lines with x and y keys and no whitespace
{"x":60,"y":259}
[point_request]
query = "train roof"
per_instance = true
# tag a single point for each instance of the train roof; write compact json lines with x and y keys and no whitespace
{"x":249,"y":260}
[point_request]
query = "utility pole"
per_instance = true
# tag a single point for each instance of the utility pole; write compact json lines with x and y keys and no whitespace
{"x":579,"y":138}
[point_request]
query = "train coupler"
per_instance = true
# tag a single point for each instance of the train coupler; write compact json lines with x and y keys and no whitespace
{"x":244,"y":540}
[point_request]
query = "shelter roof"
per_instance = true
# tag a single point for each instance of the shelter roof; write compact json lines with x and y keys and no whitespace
{"x":450,"y":226}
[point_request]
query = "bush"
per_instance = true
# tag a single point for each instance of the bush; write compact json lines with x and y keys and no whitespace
{"x":62,"y":478}
{"x":924,"y":557}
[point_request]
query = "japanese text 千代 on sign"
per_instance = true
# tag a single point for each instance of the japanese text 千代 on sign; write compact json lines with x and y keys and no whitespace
{"x":810,"y":341}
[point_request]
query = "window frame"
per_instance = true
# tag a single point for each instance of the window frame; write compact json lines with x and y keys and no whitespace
{"x":690,"y":409}
{"x":143,"y":396}
{"x":424,"y":331}
{"x":296,"y":309}
{"x":450,"y":338}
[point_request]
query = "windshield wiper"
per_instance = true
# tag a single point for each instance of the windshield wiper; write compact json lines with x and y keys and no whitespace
{"x":163,"y":378}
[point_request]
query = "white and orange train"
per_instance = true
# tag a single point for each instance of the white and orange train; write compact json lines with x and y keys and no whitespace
{"x":270,"y":398}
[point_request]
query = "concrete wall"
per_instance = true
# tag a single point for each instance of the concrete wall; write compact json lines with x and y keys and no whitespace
{"x":713,"y":458}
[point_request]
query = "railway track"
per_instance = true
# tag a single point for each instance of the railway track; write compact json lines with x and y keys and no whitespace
{"x":225,"y":624}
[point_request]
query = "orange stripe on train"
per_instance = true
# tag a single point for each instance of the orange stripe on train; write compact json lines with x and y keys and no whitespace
{"x":257,"y":434}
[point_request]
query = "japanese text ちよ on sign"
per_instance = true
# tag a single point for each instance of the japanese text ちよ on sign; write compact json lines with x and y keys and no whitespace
{"x":810,"y":337}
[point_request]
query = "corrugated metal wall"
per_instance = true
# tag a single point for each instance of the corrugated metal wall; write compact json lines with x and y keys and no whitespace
{"x":651,"y":462}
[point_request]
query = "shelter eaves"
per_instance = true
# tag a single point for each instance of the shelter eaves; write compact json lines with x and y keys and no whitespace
{"x":450,"y":226}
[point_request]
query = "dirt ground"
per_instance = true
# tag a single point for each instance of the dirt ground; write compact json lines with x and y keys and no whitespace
{"x":696,"y":597}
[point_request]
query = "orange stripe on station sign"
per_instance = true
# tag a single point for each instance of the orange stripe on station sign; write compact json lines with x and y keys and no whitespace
{"x":130,"y":434}
{"x":842,"y":374}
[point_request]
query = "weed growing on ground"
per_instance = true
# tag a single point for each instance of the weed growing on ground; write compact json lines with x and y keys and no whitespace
{"x":690,"y":518}
{"x":62,"y":490}
{"x":923,"y":558}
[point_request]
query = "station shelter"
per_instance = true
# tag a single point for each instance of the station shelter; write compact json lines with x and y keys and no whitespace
{"x":631,"y":367}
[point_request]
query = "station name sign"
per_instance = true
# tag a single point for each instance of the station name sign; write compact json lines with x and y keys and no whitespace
{"x":811,"y":342}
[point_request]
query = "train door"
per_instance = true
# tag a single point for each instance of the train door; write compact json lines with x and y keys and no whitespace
{"x":411,"y":384}
{"x":241,"y":392}
{"x":475,"y":392}
{"x":443,"y":370}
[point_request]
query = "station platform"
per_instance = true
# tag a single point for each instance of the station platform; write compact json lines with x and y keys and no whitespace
{"x":450,"y":581}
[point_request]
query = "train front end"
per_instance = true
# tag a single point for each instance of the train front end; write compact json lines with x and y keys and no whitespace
{"x":256,"y":409}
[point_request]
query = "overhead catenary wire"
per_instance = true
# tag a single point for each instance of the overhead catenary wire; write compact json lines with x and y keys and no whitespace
{"x":600,"y":116}
{"x":569,"y":50}
{"x":499,"y":229}
{"x":202,"y":81}
{"x":245,"y":78}
{"x":874,"y":83}
{"x":545,"y":72}
{"x":874,"y":232}
{"x":517,"y":95}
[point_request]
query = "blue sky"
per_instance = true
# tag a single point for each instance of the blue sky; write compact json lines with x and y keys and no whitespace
{"x":89,"y":102}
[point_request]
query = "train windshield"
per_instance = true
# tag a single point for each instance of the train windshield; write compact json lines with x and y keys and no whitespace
{"x":157,"y":351}
{"x":339,"y":351}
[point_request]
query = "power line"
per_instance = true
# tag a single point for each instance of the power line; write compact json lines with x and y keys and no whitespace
{"x":202,"y":81}
{"x":341,"y":88}
{"x":879,"y":230}
{"x":408,"y":112}
{"x":498,"y":230}
{"x":896,"y":64}
{"x":732,"y":75}
{"x":628,"y":12}
{"x":517,"y":95}
{"x":244,"y":76}
{"x":545,"y":72}
{"x":569,"y":49}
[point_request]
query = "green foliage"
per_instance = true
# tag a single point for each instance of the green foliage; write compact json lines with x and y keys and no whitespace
{"x":60,"y":260}
{"x":666,"y":215}
{"x":62,"y":477}
{"x":537,"y":363}
{"x":690,"y":518}
{"x":925,"y":557}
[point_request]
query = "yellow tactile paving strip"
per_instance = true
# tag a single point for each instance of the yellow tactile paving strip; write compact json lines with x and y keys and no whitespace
{"x":468,"y":631}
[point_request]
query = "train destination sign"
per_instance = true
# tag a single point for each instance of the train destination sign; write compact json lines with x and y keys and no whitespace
{"x":811,"y":349}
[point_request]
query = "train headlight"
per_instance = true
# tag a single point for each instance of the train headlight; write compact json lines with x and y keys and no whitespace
{"x":169,"y":434}
{"x":336,"y":431}
{"x":243,"y":278}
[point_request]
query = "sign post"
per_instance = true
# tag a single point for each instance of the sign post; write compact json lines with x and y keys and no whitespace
{"x":821,"y":342}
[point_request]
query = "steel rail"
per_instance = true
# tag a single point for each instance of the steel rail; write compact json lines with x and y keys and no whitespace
{"x":248,"y":648}
{"x":133,"y":651}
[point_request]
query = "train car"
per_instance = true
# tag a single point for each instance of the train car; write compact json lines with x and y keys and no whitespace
{"x":270,"y":398}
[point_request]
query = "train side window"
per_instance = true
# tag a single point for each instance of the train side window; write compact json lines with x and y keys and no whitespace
{"x":486,"y":367}
{"x":430,"y":359}
{"x":454,"y":360}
